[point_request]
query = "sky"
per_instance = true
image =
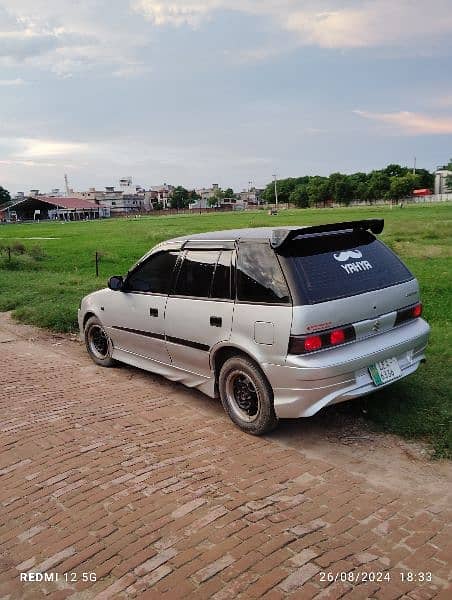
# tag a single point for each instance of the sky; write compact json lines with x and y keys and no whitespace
{"x":195,"y":92}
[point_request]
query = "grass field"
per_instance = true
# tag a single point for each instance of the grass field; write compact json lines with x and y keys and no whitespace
{"x":43,"y":286}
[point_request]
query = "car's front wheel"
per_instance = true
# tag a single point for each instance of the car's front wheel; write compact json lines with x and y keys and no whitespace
{"x":247,"y":396}
{"x":98,"y":343}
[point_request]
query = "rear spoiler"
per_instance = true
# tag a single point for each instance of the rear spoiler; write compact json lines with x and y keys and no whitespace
{"x":281,"y":237}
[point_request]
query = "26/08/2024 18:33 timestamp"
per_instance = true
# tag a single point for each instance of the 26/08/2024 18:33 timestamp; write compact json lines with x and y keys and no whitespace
{"x":376,"y":576}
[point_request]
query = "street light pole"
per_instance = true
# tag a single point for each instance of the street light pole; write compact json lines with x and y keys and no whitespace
{"x":276,"y":192}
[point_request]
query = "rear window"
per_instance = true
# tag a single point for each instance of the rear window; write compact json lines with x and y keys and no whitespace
{"x":328,"y":267}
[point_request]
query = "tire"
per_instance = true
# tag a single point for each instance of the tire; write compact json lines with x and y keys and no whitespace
{"x":246,"y":396}
{"x":98,"y":343}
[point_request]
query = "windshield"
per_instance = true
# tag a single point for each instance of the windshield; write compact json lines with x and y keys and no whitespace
{"x":337,"y":265}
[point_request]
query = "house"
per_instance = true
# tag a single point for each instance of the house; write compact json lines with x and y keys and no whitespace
{"x":159,"y":195}
{"x":208,"y":193}
{"x":123,"y":205}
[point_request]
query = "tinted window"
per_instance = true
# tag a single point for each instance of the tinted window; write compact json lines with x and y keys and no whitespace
{"x":221,"y":286}
{"x":259,"y":276}
{"x":154,"y":275}
{"x":196,"y":273}
{"x":334,"y":266}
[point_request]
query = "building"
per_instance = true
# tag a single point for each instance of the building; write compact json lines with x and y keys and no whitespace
{"x":159,"y":195}
{"x":39,"y":208}
{"x":122,"y":205}
{"x":251,"y":197}
{"x":199,"y":203}
{"x":441,"y":175}
{"x":208,"y":193}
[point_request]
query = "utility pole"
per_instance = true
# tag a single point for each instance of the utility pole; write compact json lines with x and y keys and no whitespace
{"x":276,"y":192}
{"x":66,"y":184}
{"x":414,"y":167}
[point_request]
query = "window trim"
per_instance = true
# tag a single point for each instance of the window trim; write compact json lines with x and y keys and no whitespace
{"x":231,"y":291}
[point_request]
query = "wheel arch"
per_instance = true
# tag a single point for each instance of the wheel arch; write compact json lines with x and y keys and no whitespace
{"x":87,"y":316}
{"x":221,"y":355}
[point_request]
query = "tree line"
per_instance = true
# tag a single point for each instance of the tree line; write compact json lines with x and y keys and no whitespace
{"x":181,"y":197}
{"x":392,"y":183}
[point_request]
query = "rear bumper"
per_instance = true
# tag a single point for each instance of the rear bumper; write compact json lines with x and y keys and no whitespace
{"x":306,"y":384}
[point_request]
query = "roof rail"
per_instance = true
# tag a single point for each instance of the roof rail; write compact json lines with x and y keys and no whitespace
{"x":281,"y":237}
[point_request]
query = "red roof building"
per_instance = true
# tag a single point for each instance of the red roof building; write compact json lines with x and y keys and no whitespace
{"x":54,"y":208}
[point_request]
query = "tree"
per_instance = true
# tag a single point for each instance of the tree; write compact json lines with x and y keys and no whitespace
{"x":299,"y":196}
{"x":395,"y":171}
{"x":318,"y":190}
{"x":378,"y":185}
{"x":426,"y":179}
{"x":340,"y":188}
{"x":284,"y":187}
{"x":193,"y":197}
{"x":5,"y":197}
{"x":179,"y":197}
{"x":358,"y":181}
{"x":401,"y":187}
{"x":228,"y":193}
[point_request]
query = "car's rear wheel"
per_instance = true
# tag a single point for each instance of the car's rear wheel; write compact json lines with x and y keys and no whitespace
{"x":247,"y":396}
{"x":98,"y":343}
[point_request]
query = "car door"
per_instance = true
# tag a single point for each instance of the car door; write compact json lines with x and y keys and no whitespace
{"x":199,"y":312}
{"x":136,"y":322}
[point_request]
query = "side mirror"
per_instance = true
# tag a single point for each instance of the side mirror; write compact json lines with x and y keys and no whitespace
{"x":115,"y":283}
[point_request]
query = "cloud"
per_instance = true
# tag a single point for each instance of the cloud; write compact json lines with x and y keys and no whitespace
{"x":176,"y":13}
{"x":324,"y":23}
{"x":35,"y":150}
{"x":38,"y":148}
{"x":410,"y":123}
{"x":67,"y":37}
{"x":12,"y":82}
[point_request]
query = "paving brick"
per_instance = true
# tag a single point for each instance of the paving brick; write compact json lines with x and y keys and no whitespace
{"x":214,"y":568}
{"x":299,"y":577}
{"x":266,"y":582}
{"x":115,"y":472}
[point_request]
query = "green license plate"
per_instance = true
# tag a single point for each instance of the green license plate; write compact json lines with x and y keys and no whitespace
{"x":385,"y":371}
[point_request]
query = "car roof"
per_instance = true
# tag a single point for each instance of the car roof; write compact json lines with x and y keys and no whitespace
{"x":232,"y":235}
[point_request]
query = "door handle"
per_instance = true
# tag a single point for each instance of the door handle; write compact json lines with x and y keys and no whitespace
{"x":154,"y":312}
{"x":216,"y":321}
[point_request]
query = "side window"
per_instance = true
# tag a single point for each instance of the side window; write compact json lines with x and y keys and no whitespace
{"x":259,"y":276}
{"x":154,"y":275}
{"x":221,"y":285}
{"x":196,"y":273}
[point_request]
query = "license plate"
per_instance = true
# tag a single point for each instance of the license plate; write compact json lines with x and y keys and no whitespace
{"x":385,"y":371}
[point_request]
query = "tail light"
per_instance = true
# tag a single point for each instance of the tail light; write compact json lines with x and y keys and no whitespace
{"x":313,"y":342}
{"x":416,"y":311}
{"x":304,"y":344}
{"x":406,"y":314}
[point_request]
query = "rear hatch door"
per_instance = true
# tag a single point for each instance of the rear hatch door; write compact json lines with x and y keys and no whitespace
{"x":342,"y":278}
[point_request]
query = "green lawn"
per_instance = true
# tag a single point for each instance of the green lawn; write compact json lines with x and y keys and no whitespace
{"x":44,"y":286}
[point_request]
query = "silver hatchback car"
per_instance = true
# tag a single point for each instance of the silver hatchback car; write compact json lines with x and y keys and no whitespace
{"x":279,"y":322}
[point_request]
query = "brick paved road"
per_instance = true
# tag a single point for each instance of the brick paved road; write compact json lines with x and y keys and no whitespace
{"x":122,"y":474}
